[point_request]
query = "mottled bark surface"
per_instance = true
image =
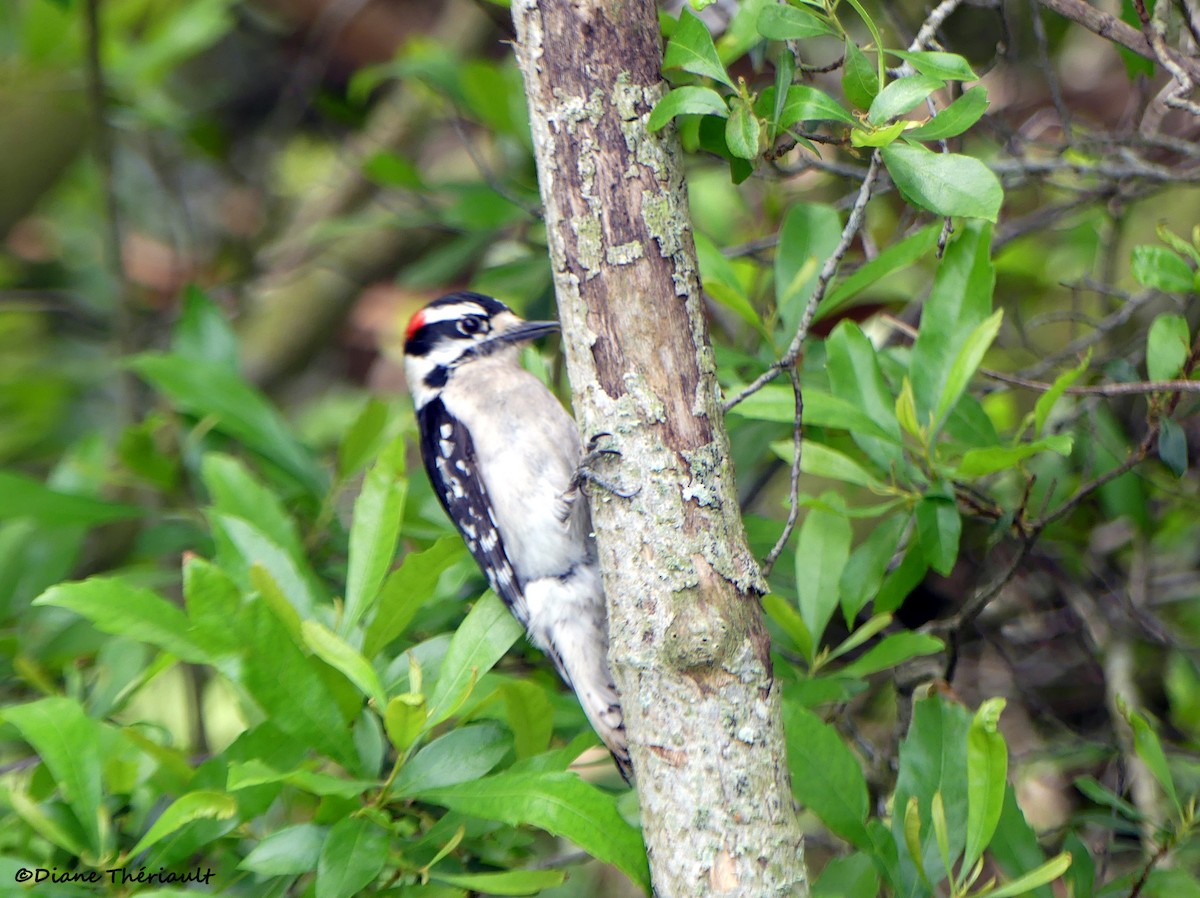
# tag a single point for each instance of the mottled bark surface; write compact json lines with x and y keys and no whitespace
{"x":689,"y":650}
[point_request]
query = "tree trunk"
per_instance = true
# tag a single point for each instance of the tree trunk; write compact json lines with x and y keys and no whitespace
{"x":689,"y":650}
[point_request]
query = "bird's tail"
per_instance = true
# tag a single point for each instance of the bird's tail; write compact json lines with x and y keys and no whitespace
{"x":588,"y":674}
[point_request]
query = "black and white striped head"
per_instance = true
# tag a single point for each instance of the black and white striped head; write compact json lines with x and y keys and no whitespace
{"x":457,"y":329}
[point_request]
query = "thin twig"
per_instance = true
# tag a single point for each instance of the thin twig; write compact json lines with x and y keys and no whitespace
{"x":794,"y":489}
{"x":853,"y":223}
{"x":1155,"y":28}
{"x":1135,"y":388}
{"x":1113,"y":29}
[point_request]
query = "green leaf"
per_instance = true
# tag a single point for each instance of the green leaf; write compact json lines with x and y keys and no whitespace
{"x":487,"y":632}
{"x":287,"y":686}
{"x":987,"y":777}
{"x":895,"y":258}
{"x":1082,"y":879}
{"x":901,"y":581}
{"x":200,"y":805}
{"x":955,"y":118}
{"x":508,"y":882}
{"x":1102,"y":795}
{"x":122,"y":609}
{"x":691,"y":49}
{"x":559,"y":803}
{"x":939,"y":527}
{"x":777,"y":403}
{"x":212,"y":600}
{"x":1168,"y":346}
{"x":807,"y":237}
{"x":1046,"y":873}
{"x":688,"y":100}
{"x":203,"y":332}
{"x":353,"y":855}
{"x":255,"y":773}
{"x":852,"y":876}
{"x":463,"y":754}
{"x":389,"y":169}
{"x":821,"y":461}
{"x":826,"y":777}
{"x":892,"y":650}
{"x":211,"y":391}
{"x":341,"y":656}
{"x":937,"y":818}
{"x":947,"y":66}
{"x":1162,"y":269}
{"x":788,"y":618}
{"x":944,"y":183}
{"x":1015,"y":847}
{"x":68,"y":743}
{"x":877,"y":137}
{"x":362,"y":439}
{"x":1172,"y":446}
{"x":966,"y":363}
{"x":1177,"y":243}
{"x":1047,"y":401}
{"x":821,"y":555}
{"x":404,"y":719}
{"x":855,"y":375}
{"x":235,"y":491}
{"x":722,"y":283}
{"x":530,"y":716}
{"x":289,"y":851}
{"x":253,"y":548}
{"x":786,"y":23}
{"x":406,"y":589}
{"x":869,"y":563}
{"x":58,"y":829}
{"x":981,"y":462}
{"x":960,"y":300}
{"x":373,"y":535}
{"x":932,"y":760}
{"x":900,"y":96}
{"x":742,"y":132}
{"x":860,"y":79}
{"x":1147,"y":746}
{"x":785,"y":74}
{"x":23,"y":497}
{"x":808,"y":104}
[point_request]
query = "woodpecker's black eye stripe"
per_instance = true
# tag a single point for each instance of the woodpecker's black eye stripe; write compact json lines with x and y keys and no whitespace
{"x":424,"y":340}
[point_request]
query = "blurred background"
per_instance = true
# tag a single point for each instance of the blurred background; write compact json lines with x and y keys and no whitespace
{"x":316,"y":170}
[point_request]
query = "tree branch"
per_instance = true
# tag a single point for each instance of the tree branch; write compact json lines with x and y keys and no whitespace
{"x":689,"y":650}
{"x":1113,"y":29}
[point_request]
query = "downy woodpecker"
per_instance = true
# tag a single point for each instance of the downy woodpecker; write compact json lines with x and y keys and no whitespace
{"x":504,"y":459}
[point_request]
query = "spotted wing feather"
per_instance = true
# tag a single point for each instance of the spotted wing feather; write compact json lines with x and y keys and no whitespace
{"x":449,"y":456}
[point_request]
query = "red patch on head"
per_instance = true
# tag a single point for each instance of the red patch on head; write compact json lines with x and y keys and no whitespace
{"x":415,"y":324}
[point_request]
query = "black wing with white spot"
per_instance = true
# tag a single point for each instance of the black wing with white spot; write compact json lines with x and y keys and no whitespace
{"x":449,"y":455}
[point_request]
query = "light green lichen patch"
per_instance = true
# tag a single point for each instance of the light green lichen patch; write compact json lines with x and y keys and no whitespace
{"x":589,"y":244}
{"x":625,"y":254}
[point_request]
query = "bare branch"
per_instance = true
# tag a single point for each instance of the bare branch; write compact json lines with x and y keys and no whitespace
{"x":794,"y":491}
{"x":853,"y":223}
{"x":1111,"y":28}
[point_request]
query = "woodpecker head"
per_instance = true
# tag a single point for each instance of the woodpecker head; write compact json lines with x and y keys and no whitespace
{"x":457,"y":329}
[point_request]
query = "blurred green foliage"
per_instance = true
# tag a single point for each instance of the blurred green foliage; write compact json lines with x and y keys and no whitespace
{"x":239,"y":635}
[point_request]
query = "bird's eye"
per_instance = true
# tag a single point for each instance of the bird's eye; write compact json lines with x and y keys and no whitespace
{"x":472,"y":325}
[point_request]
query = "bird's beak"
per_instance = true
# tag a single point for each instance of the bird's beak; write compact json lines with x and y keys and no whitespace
{"x":525,"y":331}
{"x":521,"y":332}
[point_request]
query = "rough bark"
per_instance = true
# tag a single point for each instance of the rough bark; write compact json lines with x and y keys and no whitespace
{"x":689,"y":650}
